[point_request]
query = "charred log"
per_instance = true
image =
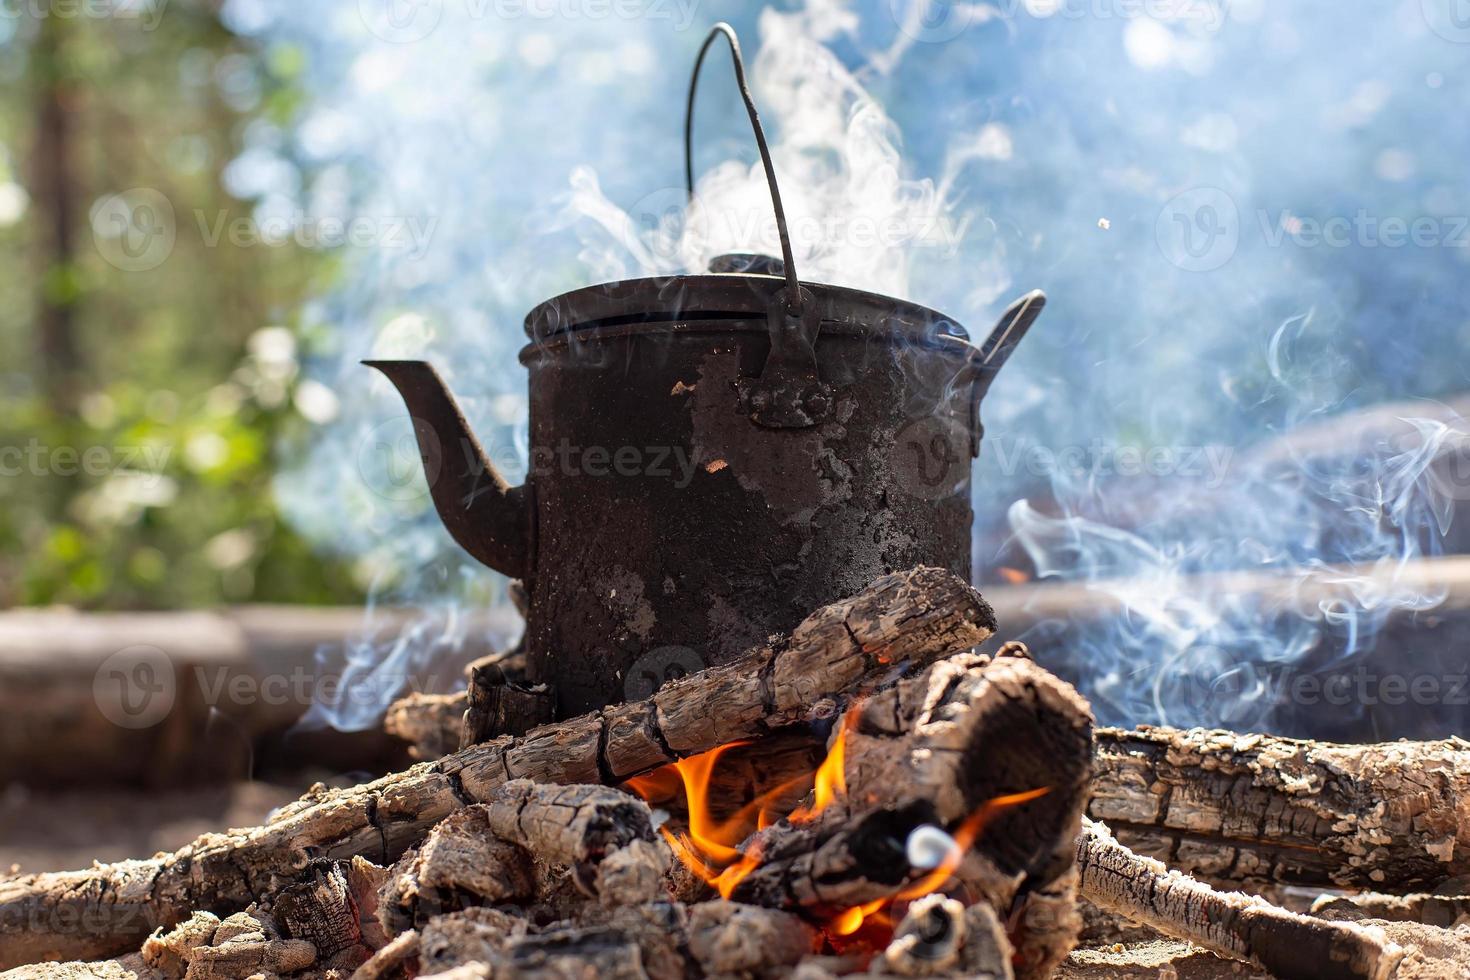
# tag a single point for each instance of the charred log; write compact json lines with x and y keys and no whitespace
{"x":497,"y":705}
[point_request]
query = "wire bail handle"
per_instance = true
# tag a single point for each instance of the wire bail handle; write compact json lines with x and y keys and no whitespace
{"x":789,"y":393}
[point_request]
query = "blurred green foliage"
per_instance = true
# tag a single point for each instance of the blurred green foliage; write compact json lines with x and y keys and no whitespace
{"x":139,"y":407}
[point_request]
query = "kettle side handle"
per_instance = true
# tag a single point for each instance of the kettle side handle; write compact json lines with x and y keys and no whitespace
{"x":997,"y":349}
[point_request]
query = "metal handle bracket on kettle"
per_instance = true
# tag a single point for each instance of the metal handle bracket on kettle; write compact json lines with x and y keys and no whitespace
{"x":789,"y":393}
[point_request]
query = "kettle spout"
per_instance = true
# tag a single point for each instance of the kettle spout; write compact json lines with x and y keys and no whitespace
{"x":486,"y":516}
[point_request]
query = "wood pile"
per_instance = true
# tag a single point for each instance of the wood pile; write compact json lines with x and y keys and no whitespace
{"x":914,"y":808}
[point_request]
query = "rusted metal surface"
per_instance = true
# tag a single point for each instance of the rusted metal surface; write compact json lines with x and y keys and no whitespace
{"x":669,"y":528}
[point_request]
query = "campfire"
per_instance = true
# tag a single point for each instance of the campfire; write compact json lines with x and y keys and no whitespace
{"x":760,"y":724}
{"x":866,"y":796}
{"x":724,"y":851}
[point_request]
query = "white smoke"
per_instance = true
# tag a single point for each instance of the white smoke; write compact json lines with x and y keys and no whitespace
{"x":953,"y":154}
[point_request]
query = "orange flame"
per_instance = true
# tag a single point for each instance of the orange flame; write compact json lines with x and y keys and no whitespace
{"x":830,"y":782}
{"x":1013,"y":575}
{"x":711,"y":848}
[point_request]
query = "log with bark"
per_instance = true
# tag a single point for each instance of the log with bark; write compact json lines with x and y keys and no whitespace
{"x":903,"y":621}
{"x":1243,"y":927}
{"x":1266,"y":810}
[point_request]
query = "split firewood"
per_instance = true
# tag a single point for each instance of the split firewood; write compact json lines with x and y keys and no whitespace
{"x":1288,"y":945}
{"x":603,"y":835}
{"x":935,"y":750}
{"x":1262,"y":809}
{"x":968,"y":734}
{"x":909,"y":619}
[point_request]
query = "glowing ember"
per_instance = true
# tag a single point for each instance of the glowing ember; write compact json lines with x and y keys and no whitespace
{"x":711,"y":848}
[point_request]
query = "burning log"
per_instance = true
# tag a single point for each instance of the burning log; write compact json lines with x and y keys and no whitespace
{"x":1289,"y":945}
{"x":910,"y":618}
{"x":967,"y":746}
{"x":1262,"y":809}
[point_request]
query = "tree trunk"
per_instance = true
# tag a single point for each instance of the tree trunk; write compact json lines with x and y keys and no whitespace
{"x":53,"y":184}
